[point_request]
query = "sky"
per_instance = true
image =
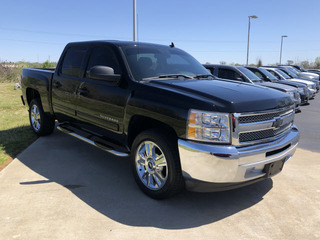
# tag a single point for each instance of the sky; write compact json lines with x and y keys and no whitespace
{"x":211,"y":31}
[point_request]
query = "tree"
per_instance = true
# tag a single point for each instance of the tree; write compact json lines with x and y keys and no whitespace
{"x":317,"y":63}
{"x":305,"y":64}
{"x":222,"y":62}
{"x":259,"y":64}
{"x":48,"y":64}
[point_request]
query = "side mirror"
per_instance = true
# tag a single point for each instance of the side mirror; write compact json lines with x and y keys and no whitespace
{"x":103,"y":73}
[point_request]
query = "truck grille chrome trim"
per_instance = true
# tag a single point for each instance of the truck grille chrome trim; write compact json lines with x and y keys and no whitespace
{"x":250,"y":128}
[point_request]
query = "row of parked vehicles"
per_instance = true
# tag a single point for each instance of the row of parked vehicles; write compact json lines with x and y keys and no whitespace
{"x":181,"y":126}
{"x":294,"y":80}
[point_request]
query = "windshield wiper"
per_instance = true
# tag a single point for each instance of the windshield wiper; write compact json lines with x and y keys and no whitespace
{"x":204,"y":76}
{"x":170,"y":76}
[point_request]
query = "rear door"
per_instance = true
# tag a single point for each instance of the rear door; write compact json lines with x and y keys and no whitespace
{"x":100,"y":104}
{"x":66,"y":82}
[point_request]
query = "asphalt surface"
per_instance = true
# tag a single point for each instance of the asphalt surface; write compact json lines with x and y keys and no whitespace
{"x":307,"y":121}
{"x":62,"y":188}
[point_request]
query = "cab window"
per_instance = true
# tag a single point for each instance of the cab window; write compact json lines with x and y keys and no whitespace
{"x":104,"y":56}
{"x":228,"y":74}
{"x":72,"y":62}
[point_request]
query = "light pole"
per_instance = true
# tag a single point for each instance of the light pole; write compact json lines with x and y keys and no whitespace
{"x":253,"y":16}
{"x":281,"y":46}
{"x":134,"y":21}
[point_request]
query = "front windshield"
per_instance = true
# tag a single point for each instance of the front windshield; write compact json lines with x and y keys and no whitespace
{"x":249,"y":74}
{"x":297,"y":71}
{"x":290,"y":72}
{"x":283,"y":74}
{"x":303,"y":69}
{"x":146,"y":61}
{"x":268,"y":74}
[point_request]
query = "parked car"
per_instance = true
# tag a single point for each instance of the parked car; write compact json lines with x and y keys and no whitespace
{"x":278,"y":73}
{"x":268,"y":77}
{"x":292,"y":74}
{"x":180,"y":126}
{"x":242,"y":74}
{"x":317,"y":71}
{"x":302,"y":69}
{"x":303,"y":75}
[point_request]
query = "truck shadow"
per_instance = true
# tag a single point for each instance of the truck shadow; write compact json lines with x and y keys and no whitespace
{"x":106,"y":184}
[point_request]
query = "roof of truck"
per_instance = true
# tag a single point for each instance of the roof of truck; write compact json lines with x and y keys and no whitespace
{"x":114,"y":42}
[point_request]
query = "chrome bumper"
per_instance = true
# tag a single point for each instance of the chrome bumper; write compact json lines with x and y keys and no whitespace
{"x":229,"y":164}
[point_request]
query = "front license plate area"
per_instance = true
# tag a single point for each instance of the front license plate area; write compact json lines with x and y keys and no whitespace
{"x":274,"y":168}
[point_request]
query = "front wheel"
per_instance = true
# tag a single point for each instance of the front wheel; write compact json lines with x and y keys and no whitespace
{"x":41,"y":124}
{"x":156,"y":164}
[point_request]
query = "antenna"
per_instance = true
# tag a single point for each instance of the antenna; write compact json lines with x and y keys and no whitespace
{"x":172,"y":45}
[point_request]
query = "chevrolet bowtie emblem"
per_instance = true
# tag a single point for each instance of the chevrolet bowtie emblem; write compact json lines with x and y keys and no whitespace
{"x":277,"y":123}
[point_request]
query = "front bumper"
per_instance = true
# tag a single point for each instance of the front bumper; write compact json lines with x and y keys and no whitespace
{"x":231,"y":165}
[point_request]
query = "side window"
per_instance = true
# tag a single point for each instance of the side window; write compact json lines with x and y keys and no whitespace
{"x":211,"y":70}
{"x":258,"y":74}
{"x":71,"y":65}
{"x":228,"y":74}
{"x":104,"y":56}
{"x":274,"y":74}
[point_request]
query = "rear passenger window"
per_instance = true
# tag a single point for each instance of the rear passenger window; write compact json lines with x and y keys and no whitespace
{"x":257,"y":74}
{"x":228,"y":74}
{"x":71,"y":65}
{"x":104,"y":56}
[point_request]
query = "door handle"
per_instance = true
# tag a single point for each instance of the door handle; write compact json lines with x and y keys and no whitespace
{"x":83,"y":91}
{"x":57,"y":84}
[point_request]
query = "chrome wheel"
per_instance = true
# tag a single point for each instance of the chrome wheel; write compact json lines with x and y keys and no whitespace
{"x":151,"y":165}
{"x":35,"y":118}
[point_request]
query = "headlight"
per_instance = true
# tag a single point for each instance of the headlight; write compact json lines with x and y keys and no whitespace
{"x":291,"y":95}
{"x":208,"y":126}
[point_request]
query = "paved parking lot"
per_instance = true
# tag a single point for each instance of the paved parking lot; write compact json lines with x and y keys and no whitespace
{"x":62,"y":188}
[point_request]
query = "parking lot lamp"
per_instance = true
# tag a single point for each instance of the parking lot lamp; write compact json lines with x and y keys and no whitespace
{"x":134,"y":20}
{"x":253,"y":16}
{"x":281,"y":46}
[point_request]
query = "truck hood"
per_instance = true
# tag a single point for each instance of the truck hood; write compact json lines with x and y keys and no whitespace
{"x":278,"y":86}
{"x":309,"y":75}
{"x":228,"y":96}
{"x":301,"y":81}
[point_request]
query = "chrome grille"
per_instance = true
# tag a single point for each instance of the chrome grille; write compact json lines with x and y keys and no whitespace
{"x":260,"y":117}
{"x":261,"y":126}
{"x":257,"y":135}
{"x":251,"y":136}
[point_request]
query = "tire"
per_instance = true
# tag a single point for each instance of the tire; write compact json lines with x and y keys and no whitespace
{"x":156,"y":164}
{"x":40,"y":123}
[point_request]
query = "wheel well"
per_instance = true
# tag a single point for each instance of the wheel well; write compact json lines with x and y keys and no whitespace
{"x":139,"y":124}
{"x":32,"y":94}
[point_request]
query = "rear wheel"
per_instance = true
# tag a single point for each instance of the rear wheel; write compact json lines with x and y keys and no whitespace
{"x":156,"y":164}
{"x":40,"y":123}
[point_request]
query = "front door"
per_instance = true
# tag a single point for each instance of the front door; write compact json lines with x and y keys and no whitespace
{"x":101,"y":104}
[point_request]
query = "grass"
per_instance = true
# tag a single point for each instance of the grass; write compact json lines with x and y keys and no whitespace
{"x":15,"y":131}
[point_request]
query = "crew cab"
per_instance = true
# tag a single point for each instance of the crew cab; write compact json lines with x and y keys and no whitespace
{"x":239,"y":73}
{"x":159,"y":106}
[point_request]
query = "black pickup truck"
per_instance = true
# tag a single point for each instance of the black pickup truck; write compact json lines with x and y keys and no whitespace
{"x":180,"y":126}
